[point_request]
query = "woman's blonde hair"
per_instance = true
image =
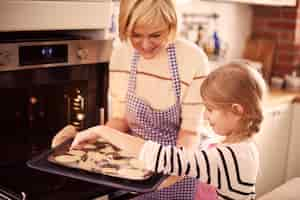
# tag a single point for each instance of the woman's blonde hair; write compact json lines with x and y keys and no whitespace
{"x":147,"y":12}
{"x":237,"y":83}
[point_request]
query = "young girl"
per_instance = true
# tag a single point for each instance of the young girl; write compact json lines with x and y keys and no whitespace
{"x":232,"y":95}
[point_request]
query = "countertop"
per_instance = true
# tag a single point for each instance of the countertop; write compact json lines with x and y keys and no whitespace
{"x":276,"y":97}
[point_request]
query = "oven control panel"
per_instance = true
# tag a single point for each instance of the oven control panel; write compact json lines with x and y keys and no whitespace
{"x":43,"y":54}
{"x":39,"y":54}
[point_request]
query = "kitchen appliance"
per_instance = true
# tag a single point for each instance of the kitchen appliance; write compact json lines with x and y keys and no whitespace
{"x":46,"y":82}
{"x":277,"y":82}
{"x":7,"y":194}
{"x":37,"y":15}
{"x":292,"y":82}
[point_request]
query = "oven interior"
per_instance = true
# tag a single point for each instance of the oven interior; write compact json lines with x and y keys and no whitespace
{"x":35,"y":104}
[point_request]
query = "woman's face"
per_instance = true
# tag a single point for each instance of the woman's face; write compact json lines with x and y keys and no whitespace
{"x":222,"y":121}
{"x":149,"y":40}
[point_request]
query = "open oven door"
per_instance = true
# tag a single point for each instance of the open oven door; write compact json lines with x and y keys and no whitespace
{"x":7,"y":194}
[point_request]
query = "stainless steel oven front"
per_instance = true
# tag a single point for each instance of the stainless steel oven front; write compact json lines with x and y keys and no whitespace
{"x":45,"y":85}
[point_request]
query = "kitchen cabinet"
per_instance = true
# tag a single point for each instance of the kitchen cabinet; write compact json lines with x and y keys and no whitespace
{"x":264,"y":2}
{"x":272,"y":142}
{"x":293,"y":167}
{"x":40,"y":15}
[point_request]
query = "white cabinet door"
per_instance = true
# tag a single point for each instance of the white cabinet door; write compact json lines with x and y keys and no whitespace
{"x":272,"y":142}
{"x":293,"y":168}
{"x":37,"y":15}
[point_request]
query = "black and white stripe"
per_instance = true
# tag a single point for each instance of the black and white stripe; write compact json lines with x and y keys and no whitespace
{"x":231,"y":183}
{"x":226,"y":167}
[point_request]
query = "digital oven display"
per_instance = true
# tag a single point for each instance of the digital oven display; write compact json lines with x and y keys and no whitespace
{"x":43,"y":54}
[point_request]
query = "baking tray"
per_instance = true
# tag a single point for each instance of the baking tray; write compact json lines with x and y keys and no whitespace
{"x":41,"y":163}
{"x":101,"y":157}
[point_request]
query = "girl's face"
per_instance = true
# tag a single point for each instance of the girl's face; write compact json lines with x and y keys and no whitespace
{"x":149,"y":40}
{"x":223,"y":122}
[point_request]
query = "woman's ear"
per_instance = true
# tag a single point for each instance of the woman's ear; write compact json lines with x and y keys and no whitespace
{"x":237,"y":109}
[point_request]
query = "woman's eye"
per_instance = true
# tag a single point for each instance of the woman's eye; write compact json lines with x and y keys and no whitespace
{"x":209,"y":109}
{"x":135,"y":35}
{"x":155,"y":36}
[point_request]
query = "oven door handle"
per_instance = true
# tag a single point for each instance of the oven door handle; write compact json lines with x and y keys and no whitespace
{"x":7,"y":194}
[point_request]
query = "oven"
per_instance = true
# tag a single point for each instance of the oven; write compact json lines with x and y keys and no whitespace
{"x":45,"y":84}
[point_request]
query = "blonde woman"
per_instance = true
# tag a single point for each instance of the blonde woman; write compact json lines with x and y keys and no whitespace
{"x":154,"y":78}
{"x":232,"y":96}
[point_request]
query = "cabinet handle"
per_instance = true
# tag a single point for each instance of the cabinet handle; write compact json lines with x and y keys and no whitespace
{"x":278,"y":112}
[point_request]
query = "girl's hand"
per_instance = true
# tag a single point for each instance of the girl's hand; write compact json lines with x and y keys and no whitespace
{"x":130,"y":143}
{"x":188,"y":139}
{"x":83,"y":137}
{"x":170,"y":181}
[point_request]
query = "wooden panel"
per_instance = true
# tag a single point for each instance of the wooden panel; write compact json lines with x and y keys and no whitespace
{"x":261,"y":50}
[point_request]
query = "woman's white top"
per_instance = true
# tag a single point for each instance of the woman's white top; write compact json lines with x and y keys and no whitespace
{"x":231,"y":168}
{"x":154,"y":83}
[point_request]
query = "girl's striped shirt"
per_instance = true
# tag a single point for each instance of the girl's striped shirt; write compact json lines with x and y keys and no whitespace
{"x":231,"y":168}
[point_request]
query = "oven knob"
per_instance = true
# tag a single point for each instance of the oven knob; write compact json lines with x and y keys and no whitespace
{"x":82,"y":54}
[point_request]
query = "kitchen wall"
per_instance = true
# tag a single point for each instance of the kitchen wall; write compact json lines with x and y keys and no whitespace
{"x":281,"y":24}
{"x":233,"y":25}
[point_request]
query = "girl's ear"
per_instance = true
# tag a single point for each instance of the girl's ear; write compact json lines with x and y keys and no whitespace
{"x":237,"y":109}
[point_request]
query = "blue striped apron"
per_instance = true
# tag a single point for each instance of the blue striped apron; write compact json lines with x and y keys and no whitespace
{"x":161,"y":126}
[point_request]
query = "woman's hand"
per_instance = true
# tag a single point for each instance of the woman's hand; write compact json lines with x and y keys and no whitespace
{"x":64,"y":134}
{"x":131,"y":144}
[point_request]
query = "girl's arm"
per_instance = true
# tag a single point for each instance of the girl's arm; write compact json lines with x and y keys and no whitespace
{"x":169,"y":159}
{"x":129,"y":143}
{"x":70,"y":131}
{"x":188,"y":139}
{"x":231,"y":169}
{"x":172,"y":160}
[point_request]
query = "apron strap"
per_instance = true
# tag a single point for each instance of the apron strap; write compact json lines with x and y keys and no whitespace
{"x":174,"y":70}
{"x":133,"y":72}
